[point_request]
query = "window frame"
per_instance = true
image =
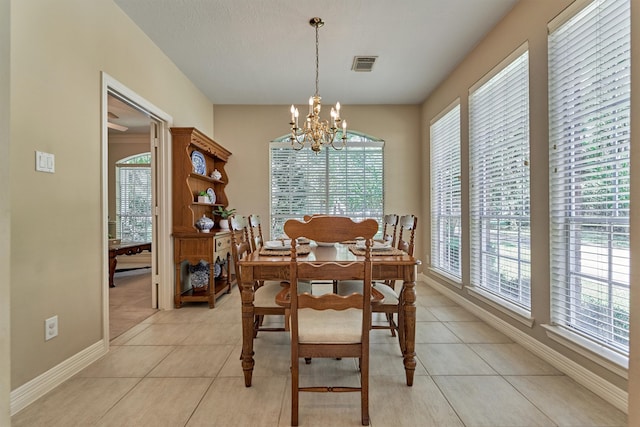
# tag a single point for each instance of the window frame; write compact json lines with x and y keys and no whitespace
{"x":581,"y":150}
{"x":125,"y":165}
{"x":492,"y":143}
{"x":323,"y":200}
{"x":446,"y":192}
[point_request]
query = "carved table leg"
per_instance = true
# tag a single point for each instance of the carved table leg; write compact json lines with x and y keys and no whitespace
{"x":247,"y":329}
{"x":112,"y":267}
{"x":408,"y":299}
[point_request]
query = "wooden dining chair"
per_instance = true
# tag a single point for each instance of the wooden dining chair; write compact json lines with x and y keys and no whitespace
{"x":330,"y":325}
{"x":407,"y":233}
{"x":390,"y":228}
{"x":391,"y":305}
{"x":264,"y":293}
{"x":255,"y":230}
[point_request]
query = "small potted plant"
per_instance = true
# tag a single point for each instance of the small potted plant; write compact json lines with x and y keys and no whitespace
{"x":224,"y":213}
{"x":203,"y":197}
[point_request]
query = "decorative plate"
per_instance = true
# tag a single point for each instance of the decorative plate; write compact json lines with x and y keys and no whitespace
{"x":199,"y":164}
{"x":278,"y":244}
{"x":377,"y":246}
{"x":212,"y":195}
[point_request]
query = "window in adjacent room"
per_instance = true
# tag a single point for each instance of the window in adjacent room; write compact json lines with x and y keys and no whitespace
{"x":133,"y":198}
{"x":589,"y":119}
{"x":446,"y":192}
{"x":347,"y":182}
{"x":499,"y":183}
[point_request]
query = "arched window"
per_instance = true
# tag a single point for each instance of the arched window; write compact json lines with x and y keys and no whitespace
{"x":339,"y":182}
{"x":133,"y":198}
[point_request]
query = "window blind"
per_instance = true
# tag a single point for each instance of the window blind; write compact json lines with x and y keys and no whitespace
{"x":133,"y":199}
{"x":589,"y":119}
{"x":446,"y":209}
{"x":347,"y":182}
{"x":499,"y":182}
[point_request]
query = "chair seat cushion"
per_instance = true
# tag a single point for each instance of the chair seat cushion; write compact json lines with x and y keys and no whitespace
{"x":330,"y":326}
{"x":347,"y":287}
{"x":265,"y":295}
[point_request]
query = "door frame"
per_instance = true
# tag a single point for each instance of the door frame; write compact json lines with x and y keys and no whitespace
{"x":161,"y":246}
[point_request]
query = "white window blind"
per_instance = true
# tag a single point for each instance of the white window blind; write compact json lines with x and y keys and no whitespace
{"x":499,"y":182}
{"x":589,"y":119}
{"x":133,"y":198}
{"x":347,"y":182}
{"x":446,"y":196}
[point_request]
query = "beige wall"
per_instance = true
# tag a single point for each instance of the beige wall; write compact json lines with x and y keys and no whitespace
{"x":5,"y":333}
{"x":526,"y":22}
{"x":58,"y":50}
{"x":247,"y":130}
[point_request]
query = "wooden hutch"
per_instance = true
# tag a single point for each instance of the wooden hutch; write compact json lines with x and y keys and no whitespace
{"x":191,"y":245}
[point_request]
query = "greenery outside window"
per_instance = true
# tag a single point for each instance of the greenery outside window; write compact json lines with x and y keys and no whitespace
{"x":133,"y":198}
{"x":347,"y":182}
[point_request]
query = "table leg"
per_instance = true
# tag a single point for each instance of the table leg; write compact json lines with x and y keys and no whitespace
{"x":212,"y":285}
{"x":112,"y":267}
{"x":247,"y":329}
{"x":408,"y":299}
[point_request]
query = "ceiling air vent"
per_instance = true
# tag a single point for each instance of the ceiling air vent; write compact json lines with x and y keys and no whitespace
{"x":363,"y":63}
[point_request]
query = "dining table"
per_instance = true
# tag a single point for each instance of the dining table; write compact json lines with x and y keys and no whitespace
{"x":267,"y":264}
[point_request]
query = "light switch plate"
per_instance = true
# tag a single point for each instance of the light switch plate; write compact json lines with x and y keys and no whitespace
{"x":45,"y":162}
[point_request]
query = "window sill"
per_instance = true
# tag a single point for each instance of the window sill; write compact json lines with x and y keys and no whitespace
{"x":515,"y":312}
{"x":607,"y":358}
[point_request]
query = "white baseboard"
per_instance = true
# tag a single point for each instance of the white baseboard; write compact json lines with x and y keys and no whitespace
{"x":609,"y":392}
{"x":31,"y":391}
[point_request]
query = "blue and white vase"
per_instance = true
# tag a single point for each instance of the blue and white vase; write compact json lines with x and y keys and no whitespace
{"x":199,"y":276}
{"x":204,"y":224}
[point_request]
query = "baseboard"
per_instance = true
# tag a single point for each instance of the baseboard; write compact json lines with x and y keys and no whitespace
{"x":603,"y":388}
{"x":31,"y":391}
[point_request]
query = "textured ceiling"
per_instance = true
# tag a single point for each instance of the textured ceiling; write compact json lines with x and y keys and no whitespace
{"x":263,"y":52}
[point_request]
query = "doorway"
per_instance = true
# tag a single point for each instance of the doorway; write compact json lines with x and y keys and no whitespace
{"x":130,"y":190}
{"x":136,"y":177}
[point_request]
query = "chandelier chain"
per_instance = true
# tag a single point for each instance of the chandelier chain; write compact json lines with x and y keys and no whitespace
{"x":317,"y":60}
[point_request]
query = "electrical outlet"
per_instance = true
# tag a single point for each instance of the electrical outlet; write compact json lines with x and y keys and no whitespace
{"x":51,"y":328}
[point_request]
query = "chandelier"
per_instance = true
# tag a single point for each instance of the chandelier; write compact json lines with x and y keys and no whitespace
{"x":314,"y":131}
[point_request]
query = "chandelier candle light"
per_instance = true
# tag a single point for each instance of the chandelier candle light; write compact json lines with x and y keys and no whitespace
{"x":317,"y":132}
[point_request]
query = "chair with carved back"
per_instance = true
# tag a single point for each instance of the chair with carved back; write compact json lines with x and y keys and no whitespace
{"x":330,"y":325}
{"x":264,"y":292}
{"x":255,"y":230}
{"x":390,"y":228}
{"x":391,"y":304}
{"x":407,"y":233}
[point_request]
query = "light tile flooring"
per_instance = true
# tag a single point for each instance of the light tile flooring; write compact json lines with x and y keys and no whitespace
{"x":129,"y":300}
{"x":182,"y":368}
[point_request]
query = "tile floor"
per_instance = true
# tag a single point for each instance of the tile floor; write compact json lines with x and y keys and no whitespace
{"x":129,"y":300}
{"x":182,"y":368}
